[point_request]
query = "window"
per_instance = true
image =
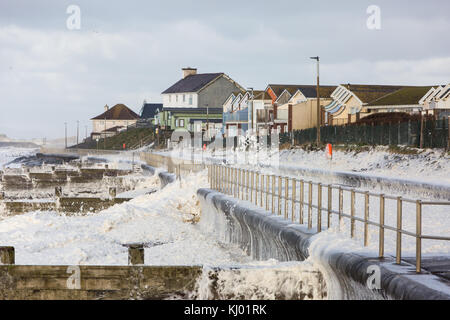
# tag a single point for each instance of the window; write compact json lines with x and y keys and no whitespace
{"x":181,"y":122}
{"x":190,"y":99}
{"x":176,"y":123}
{"x":170,"y":98}
{"x":184,"y":98}
{"x":176,"y":96}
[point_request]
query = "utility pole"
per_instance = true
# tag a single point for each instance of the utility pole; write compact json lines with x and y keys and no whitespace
{"x":318,"y":100}
{"x":65,"y":135}
{"x":104,"y":137}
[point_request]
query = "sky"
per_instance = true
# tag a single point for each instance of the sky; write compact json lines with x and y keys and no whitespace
{"x":128,"y":51}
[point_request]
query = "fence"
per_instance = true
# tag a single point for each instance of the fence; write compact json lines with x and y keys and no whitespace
{"x":279,"y":196}
{"x":435,"y":134}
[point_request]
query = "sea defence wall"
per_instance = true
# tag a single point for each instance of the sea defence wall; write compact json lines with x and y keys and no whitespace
{"x":166,"y":178}
{"x":95,"y":282}
{"x":357,"y":180}
{"x":265,"y":236}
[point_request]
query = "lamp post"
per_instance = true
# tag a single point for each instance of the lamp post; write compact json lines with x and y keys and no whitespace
{"x":65,"y":135}
{"x":318,"y":100}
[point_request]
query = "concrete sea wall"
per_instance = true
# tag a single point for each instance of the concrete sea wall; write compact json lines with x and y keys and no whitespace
{"x":264,"y":236}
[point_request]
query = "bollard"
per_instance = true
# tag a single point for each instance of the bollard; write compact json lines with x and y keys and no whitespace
{"x":7,"y":255}
{"x":135,"y":254}
{"x":112,"y":192}
{"x":58,"y":192}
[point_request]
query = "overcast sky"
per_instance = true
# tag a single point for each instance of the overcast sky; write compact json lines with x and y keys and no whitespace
{"x":128,"y":51}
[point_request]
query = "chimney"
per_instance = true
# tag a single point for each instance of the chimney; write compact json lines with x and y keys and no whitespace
{"x":106,"y":108}
{"x":189,"y":72}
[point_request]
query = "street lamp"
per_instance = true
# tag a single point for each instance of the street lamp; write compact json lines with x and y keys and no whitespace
{"x":65,"y":135}
{"x":318,"y":100}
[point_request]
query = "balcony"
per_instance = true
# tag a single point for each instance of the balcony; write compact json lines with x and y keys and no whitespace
{"x":237,"y":116}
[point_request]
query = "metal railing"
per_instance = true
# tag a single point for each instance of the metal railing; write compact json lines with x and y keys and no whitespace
{"x":270,"y":191}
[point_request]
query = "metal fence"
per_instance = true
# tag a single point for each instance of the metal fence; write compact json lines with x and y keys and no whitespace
{"x":435,"y":134}
{"x":303,"y":202}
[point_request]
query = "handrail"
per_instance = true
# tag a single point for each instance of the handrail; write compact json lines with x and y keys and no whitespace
{"x":249,"y":184}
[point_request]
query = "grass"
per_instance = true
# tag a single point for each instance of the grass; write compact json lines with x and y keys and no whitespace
{"x":131,"y":138}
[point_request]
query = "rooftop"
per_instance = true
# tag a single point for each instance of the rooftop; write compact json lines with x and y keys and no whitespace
{"x":118,"y":112}
{"x":192,"y":83}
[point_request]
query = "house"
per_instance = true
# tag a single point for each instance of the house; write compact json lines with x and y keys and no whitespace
{"x":405,"y":100}
{"x":197,"y":97}
{"x":112,"y":121}
{"x":352,"y":102}
{"x":246,"y":110}
{"x":296,"y":107}
{"x":149,"y":110}
{"x":349,"y":101}
{"x":437,"y":101}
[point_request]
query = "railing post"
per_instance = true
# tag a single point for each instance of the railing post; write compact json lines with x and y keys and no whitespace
{"x":418,"y":236}
{"x":294,"y":195}
{"x":256,"y":187}
{"x":302,"y":200}
{"x":319,"y":207}
{"x":341,"y":205}
{"x":236,"y":183}
{"x":381,"y":233}
{"x":352,"y":213}
{"x":330,"y":204}
{"x":398,"y":256}
{"x":366,"y":218}
{"x":252,"y":174}
{"x":247,"y":184}
{"x":241,"y":185}
{"x":273,"y":194}
{"x":268,"y":191}
{"x":261,"y":190}
{"x":279,"y":191}
{"x":286,"y":196}
{"x":310,"y":205}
